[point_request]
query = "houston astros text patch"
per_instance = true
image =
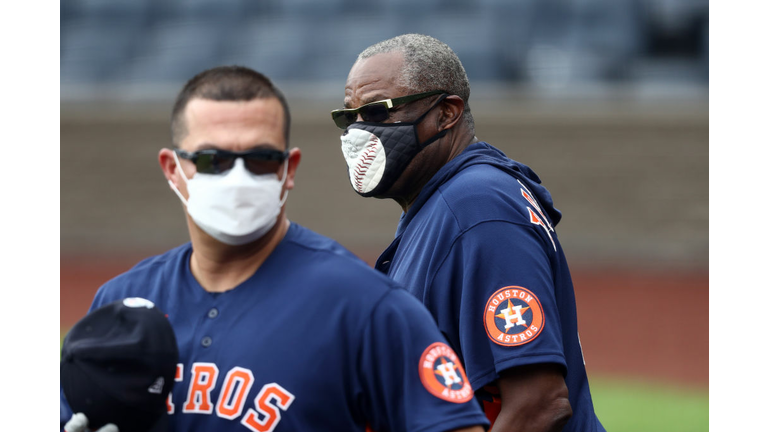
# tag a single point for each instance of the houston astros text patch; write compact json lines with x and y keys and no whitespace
{"x":442,"y":374}
{"x":513,"y":316}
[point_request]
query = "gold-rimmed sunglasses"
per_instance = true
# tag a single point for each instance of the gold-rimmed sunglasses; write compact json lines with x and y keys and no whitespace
{"x":375,"y":111}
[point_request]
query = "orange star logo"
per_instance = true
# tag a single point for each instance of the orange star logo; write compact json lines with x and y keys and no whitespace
{"x":505,"y":314}
{"x":442,"y":361}
{"x":447,"y":370}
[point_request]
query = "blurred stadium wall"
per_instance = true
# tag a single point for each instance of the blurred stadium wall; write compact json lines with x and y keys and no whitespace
{"x":606,"y":100}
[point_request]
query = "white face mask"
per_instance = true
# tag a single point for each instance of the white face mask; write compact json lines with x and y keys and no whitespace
{"x":236,"y":207}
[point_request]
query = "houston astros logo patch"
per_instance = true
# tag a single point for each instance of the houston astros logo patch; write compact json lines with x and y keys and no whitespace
{"x":513,"y":316}
{"x":442,"y":374}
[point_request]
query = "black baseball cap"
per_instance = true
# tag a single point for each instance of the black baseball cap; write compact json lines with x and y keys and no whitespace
{"x":118,"y":365}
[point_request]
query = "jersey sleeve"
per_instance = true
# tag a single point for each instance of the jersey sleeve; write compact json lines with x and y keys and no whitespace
{"x":411,"y":379}
{"x":499,"y":281}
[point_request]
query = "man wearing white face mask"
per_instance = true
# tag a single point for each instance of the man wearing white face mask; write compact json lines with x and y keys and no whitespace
{"x":237,"y":207}
{"x":279,"y":328}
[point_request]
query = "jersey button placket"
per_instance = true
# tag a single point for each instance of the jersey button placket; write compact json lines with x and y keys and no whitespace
{"x":207,"y":341}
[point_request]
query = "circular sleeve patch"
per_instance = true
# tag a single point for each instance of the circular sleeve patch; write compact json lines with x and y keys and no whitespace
{"x":513,"y":316}
{"x":442,"y":374}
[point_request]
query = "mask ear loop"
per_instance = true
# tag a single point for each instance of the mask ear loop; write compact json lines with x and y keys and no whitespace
{"x":436,"y":136}
{"x":173,"y":186}
{"x":285,"y":176}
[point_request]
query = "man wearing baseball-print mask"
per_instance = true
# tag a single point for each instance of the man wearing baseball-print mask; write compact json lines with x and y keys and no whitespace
{"x":476,"y":240}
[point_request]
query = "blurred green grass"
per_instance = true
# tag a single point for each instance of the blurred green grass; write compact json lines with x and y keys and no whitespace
{"x":631,"y":406}
{"x":624,"y":405}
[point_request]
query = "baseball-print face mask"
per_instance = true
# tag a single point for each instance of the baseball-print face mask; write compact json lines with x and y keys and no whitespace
{"x":378,"y":153}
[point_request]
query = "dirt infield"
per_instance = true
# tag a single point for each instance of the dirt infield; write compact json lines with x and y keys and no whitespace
{"x":649,"y":326}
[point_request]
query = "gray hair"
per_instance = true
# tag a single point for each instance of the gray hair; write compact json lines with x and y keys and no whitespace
{"x":429,"y":64}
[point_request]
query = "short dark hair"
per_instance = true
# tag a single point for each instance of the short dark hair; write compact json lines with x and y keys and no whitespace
{"x":225,"y":83}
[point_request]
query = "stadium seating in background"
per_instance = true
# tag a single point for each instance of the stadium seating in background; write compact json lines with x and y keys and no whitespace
{"x":275,"y":46}
{"x":539,"y":41}
{"x":170,"y":51}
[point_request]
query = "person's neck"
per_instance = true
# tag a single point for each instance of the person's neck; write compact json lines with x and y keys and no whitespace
{"x":458,"y":146}
{"x":219,"y":267}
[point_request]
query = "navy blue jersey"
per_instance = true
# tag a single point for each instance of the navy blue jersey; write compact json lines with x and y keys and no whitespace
{"x":314,"y":340}
{"x":478,"y":248}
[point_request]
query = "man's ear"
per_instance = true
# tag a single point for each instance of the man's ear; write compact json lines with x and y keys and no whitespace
{"x":451,"y":111}
{"x":294,"y":158}
{"x":167,"y":164}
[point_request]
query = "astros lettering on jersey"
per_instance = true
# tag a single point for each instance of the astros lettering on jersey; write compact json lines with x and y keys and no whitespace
{"x":314,"y":340}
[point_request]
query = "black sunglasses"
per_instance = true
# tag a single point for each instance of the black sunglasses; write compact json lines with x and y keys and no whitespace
{"x":375,"y":111}
{"x":213,"y":161}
